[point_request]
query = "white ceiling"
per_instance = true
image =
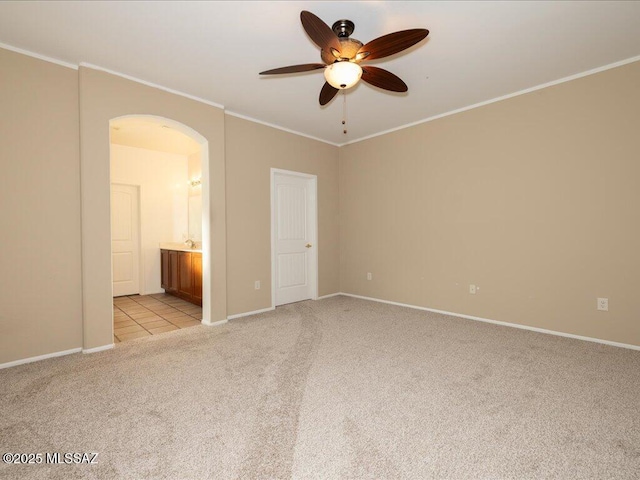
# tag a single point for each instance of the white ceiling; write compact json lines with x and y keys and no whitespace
{"x":476,"y":51}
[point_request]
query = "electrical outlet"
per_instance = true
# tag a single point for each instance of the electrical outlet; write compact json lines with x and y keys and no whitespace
{"x":603,"y":304}
{"x":472,"y":289}
{"x":257,"y":285}
{"x":369,"y":276}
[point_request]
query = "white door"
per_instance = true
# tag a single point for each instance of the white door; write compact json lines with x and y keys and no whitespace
{"x":125,"y":243}
{"x":295,"y":259}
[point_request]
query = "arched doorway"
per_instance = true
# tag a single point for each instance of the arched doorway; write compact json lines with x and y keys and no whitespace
{"x":148,"y":134}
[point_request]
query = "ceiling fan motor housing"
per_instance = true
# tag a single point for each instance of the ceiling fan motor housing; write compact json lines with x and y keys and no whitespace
{"x":343,"y":28}
{"x":348,"y":50}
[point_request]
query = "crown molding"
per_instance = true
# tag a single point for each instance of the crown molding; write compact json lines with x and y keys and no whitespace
{"x":29,"y":53}
{"x":278,"y":127}
{"x":150,"y":84}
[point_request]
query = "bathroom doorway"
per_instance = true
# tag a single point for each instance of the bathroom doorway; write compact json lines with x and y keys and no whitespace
{"x":164,"y":162}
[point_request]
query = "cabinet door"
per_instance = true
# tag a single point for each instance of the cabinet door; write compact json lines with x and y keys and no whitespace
{"x":173,"y":271}
{"x":196,"y":270}
{"x":185,"y":278}
{"x":164,"y":268}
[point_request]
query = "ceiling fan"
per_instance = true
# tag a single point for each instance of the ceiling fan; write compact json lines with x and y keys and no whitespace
{"x":342,"y":55}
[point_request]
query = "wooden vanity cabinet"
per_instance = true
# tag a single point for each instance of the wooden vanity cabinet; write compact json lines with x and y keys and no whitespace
{"x":185,"y":274}
{"x":182,"y":274}
{"x":169,"y":267}
{"x":196,"y":266}
{"x":164,"y":268}
{"x":173,"y":271}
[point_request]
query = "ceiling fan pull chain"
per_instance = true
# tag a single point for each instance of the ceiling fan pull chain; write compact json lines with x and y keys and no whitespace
{"x":344,"y":112}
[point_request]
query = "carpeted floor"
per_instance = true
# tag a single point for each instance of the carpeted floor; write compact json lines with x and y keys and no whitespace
{"x":332,"y":389}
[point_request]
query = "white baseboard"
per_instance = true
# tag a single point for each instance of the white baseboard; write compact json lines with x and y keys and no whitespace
{"x":98,"y":349}
{"x":246,"y":314}
{"x":497,"y":322}
{"x":39,"y":357}
{"x":269,"y":309}
{"x":209,"y":323}
{"x":329,"y":296}
{"x":153,"y":292}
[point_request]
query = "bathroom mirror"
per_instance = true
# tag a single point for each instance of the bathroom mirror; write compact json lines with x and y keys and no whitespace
{"x":195,"y":217}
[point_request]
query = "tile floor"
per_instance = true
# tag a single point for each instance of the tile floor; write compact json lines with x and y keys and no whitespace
{"x":137,"y":316}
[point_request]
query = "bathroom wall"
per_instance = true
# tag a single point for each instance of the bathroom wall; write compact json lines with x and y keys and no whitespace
{"x":195,"y":171}
{"x":164,"y":191}
{"x":195,"y":197}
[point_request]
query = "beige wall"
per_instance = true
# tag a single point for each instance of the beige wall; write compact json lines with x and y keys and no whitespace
{"x":534,"y":199}
{"x":40,"y":289}
{"x":252,"y":150}
{"x":103,"y":97}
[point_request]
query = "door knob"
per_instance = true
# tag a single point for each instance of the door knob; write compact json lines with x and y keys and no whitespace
{"x":308,"y":245}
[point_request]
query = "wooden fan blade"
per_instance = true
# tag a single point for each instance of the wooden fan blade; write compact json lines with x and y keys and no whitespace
{"x":327,"y":93}
{"x":305,"y":67}
{"x":392,"y":43}
{"x":383,"y":79}
{"x":320,"y":32}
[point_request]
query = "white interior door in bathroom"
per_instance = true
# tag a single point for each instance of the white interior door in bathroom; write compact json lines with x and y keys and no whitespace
{"x":125,"y":239}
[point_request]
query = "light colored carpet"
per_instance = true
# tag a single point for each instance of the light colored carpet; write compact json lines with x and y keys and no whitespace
{"x":338,"y":388}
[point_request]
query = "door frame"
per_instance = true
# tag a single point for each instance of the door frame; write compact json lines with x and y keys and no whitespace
{"x":141,"y":283}
{"x":313,"y":198}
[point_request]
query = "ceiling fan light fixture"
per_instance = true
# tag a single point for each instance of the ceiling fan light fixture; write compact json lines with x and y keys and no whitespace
{"x":343,"y":75}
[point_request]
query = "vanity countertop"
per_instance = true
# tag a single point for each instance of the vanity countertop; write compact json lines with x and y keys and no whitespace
{"x":181,"y":247}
